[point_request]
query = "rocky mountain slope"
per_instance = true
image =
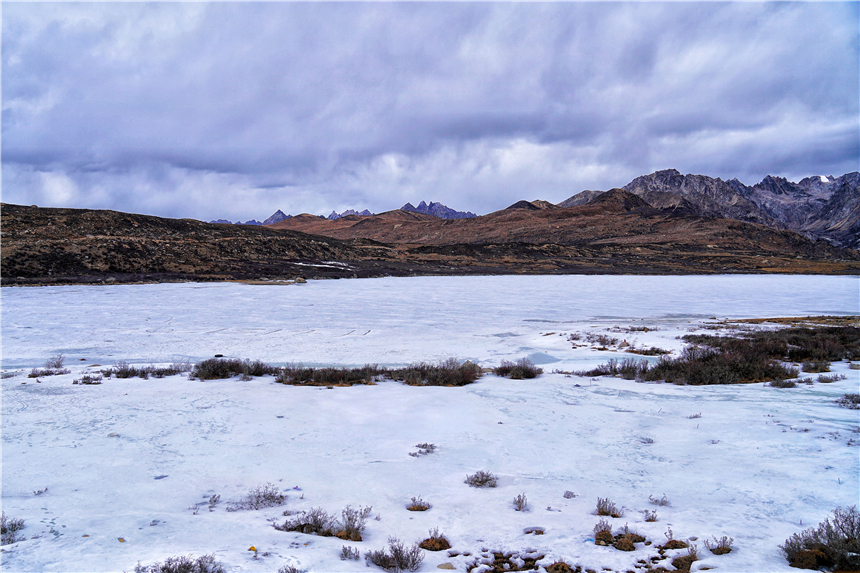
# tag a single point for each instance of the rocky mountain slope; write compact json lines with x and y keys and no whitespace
{"x":819,"y":207}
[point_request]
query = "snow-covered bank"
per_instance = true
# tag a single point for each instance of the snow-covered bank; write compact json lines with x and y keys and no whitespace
{"x":129,"y":458}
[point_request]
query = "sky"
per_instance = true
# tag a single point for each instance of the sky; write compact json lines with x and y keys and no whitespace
{"x":235,"y":110}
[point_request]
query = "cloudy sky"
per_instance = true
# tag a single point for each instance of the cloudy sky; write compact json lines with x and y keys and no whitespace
{"x":223,"y":110}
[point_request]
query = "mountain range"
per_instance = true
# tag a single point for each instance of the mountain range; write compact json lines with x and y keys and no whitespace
{"x":663,"y":223}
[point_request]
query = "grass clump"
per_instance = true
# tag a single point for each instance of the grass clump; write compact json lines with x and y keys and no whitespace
{"x":850,"y":401}
{"x":436,"y":542}
{"x":603,"y":533}
{"x":823,"y":379}
{"x":784,"y":384}
{"x":662,"y":502}
{"x":9,"y":529}
{"x":519,"y":370}
{"x":184,"y":564}
{"x":835,"y":543}
{"x":418,"y":504}
{"x":720,"y":546}
{"x":397,"y":558}
{"x":605,"y":506}
{"x":482,"y":479}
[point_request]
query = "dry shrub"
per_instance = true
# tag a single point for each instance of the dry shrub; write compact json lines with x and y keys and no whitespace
{"x":784,"y":384}
{"x":317,"y":521}
{"x":603,"y":533}
{"x":445,"y":373}
{"x":398,"y":558}
{"x":605,"y":506}
{"x":184,"y":564}
{"x":815,"y":367}
{"x":519,"y":370}
{"x":521,"y":503}
{"x":220,"y":368}
{"x":482,"y":479}
{"x":299,"y":375}
{"x":720,"y":546}
{"x":418,"y":504}
{"x":850,"y":401}
{"x":260,"y":497}
{"x":835,"y":543}
{"x":9,"y":529}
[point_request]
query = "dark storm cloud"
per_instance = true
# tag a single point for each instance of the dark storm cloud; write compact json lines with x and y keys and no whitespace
{"x":202,"y":110}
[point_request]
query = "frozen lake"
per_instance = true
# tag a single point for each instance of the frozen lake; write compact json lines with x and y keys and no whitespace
{"x":126,"y":462}
{"x":387,"y":321}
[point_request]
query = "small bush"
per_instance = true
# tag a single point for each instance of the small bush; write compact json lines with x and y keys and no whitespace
{"x":720,"y":546}
{"x":601,"y":339}
{"x":663,"y":501}
{"x":850,"y":401}
{"x":423,"y":449}
{"x":436,"y":542}
{"x":828,"y":379}
{"x":650,"y":515}
{"x":445,"y":373}
{"x":521,"y":503}
{"x":314,"y":521}
{"x":783,"y":384}
{"x":299,"y":375}
{"x":183,"y":564}
{"x":9,"y":529}
{"x":606,"y":507}
{"x":519,"y":370}
{"x":816,"y":366}
{"x":854,"y":366}
{"x":603,"y":533}
{"x":568,"y":494}
{"x":220,"y":368}
{"x":290,"y":569}
{"x":481,"y":479}
{"x":349,"y":553}
{"x":55,"y":362}
{"x":834,"y":544}
{"x":87,"y":379}
{"x":260,"y":497}
{"x":353,"y":522}
{"x":398,"y":558}
{"x":418,"y":504}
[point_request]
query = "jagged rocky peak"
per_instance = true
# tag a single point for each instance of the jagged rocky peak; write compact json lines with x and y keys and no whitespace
{"x":334,"y":215}
{"x":437,"y":210}
{"x":276,"y":217}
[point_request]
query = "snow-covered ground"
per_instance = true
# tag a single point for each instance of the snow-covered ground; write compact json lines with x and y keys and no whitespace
{"x":128,"y":459}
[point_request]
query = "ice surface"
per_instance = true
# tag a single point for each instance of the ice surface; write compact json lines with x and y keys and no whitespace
{"x":757,"y":462}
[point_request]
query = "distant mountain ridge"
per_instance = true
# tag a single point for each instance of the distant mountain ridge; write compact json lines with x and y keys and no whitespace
{"x":334,"y":216}
{"x":820,"y":207}
{"x":437,"y":210}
